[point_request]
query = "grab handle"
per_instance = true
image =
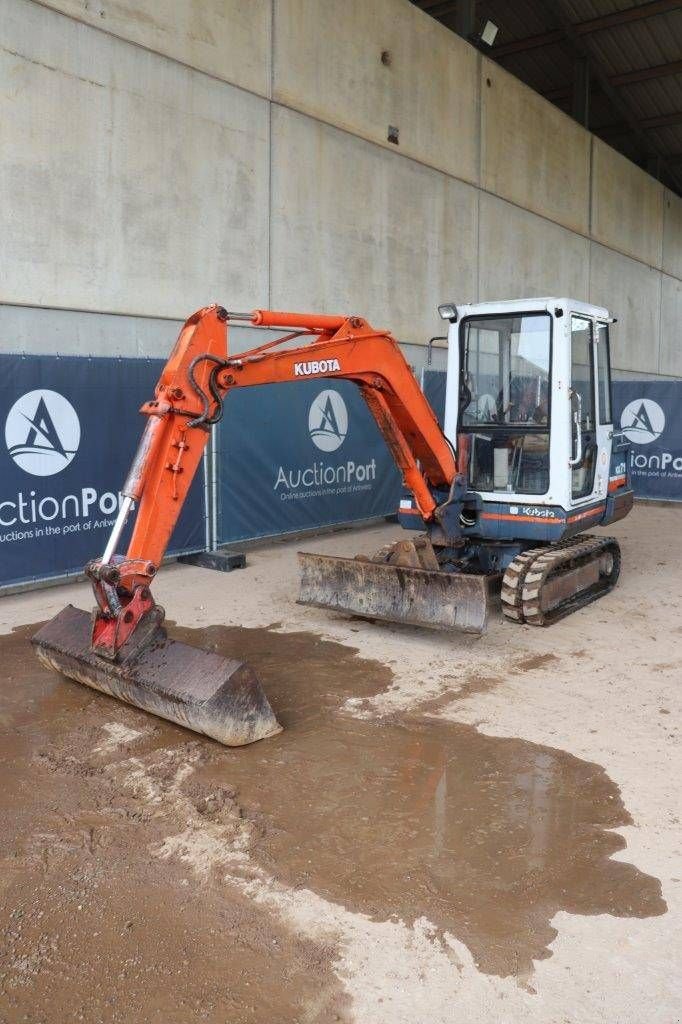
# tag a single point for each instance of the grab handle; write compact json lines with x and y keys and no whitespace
{"x":577,"y":419}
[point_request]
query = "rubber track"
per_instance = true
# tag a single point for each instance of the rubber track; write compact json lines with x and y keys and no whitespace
{"x":561,"y":559}
{"x":512,"y":583}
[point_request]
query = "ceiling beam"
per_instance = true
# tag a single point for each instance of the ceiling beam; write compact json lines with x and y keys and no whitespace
{"x":617,"y":100}
{"x":638,"y":13}
{"x":674,"y":67}
{"x":627,"y":78}
{"x":662,"y":121}
{"x":439,"y":9}
{"x":647,"y":124}
{"x":529,"y":43}
{"x":583,"y":28}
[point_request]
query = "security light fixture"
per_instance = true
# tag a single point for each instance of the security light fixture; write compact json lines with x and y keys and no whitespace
{"x":488,"y":33}
{"x":448,"y":311}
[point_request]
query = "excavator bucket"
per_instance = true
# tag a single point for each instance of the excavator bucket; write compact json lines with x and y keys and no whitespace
{"x":393,"y":593}
{"x":199,"y":689}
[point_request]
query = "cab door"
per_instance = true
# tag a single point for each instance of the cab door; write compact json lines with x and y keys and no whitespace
{"x":604,"y":422}
{"x":585,"y":482}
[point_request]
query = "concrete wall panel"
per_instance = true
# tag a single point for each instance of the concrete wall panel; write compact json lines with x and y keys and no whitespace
{"x":136,"y":185}
{"x":672,"y":234}
{"x":671,"y":326}
{"x":531,"y":152}
{"x":522,"y":255}
{"x":38,"y":331}
{"x":632,"y":293}
{"x":357,"y":229}
{"x":627,"y":206}
{"x":327,"y":63}
{"x":226,"y":38}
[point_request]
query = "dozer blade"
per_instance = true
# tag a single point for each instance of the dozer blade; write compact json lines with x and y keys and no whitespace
{"x":201,"y":690}
{"x":420,"y":597}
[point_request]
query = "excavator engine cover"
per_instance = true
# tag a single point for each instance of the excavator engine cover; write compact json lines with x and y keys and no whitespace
{"x":419,"y":597}
{"x":199,"y":689}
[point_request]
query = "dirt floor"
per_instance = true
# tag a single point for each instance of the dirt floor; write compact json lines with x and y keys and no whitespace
{"x":448,"y":829}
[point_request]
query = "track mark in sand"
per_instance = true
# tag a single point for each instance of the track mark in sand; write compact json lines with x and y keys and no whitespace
{"x":533,"y":661}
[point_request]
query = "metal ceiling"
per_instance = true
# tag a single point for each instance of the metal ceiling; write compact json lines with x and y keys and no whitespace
{"x":614,"y":65}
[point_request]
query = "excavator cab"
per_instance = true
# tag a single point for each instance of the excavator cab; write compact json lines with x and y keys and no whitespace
{"x":529,"y":398}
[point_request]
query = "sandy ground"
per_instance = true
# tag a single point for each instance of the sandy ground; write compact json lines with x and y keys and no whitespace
{"x":449,"y":828}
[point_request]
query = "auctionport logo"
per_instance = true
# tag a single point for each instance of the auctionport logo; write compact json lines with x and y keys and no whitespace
{"x":642,"y":421}
{"x":328,"y":428}
{"x":42,"y":432}
{"x":328,"y":421}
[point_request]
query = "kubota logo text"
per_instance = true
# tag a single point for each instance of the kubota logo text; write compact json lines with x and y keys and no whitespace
{"x":328,"y":421}
{"x":316,"y":366}
{"x":42,"y":432}
{"x":642,"y":421}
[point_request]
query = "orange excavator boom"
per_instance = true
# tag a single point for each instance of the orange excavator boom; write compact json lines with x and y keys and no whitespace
{"x":124,"y":650}
{"x":200,"y":373}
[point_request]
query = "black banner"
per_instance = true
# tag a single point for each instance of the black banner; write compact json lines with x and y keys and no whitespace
{"x":299,"y":456}
{"x":649,"y":412}
{"x":71,"y":426}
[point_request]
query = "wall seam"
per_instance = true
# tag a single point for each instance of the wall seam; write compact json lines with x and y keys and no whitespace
{"x":660,"y":321}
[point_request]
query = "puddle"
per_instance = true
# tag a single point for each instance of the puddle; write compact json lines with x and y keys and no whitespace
{"x":407,"y":817}
{"x":403,"y":817}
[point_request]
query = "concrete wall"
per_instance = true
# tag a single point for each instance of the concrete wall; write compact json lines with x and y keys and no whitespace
{"x":531,"y":152}
{"x":160,"y":155}
{"x":229,"y":39}
{"x":523,"y":254}
{"x":327,"y":63}
{"x":627,"y":206}
{"x":132,"y":183}
{"x":415,"y":225}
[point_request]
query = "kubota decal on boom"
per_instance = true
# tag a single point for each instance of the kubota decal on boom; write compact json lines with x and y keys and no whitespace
{"x":316,"y":366}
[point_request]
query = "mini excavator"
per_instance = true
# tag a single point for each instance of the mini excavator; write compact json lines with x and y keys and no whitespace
{"x":500,"y":498}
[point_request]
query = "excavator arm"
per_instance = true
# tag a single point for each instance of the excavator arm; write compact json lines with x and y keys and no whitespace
{"x":124,"y":650}
{"x":188,"y":399}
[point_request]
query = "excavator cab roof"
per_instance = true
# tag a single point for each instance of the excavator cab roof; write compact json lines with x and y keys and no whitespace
{"x":454,"y":312}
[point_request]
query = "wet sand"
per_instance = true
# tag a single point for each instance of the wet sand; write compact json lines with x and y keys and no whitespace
{"x":131,"y":848}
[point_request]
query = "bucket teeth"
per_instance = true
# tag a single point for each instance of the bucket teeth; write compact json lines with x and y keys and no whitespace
{"x":200,"y":690}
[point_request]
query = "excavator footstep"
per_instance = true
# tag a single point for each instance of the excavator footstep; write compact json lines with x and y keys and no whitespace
{"x":198,"y":689}
{"x":419,"y":597}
